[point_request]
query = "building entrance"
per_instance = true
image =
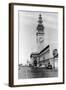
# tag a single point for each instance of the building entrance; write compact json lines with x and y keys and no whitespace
{"x":35,"y":62}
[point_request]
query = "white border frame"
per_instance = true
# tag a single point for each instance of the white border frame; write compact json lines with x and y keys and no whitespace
{"x":60,"y":49}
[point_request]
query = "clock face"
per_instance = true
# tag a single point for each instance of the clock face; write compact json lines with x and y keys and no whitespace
{"x":41,"y":39}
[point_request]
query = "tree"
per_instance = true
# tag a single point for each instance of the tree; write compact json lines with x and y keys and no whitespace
{"x":55,"y":53}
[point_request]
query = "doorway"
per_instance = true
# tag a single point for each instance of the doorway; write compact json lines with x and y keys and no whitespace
{"x":35,"y":62}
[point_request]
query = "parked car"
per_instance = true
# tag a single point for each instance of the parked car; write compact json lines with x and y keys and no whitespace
{"x":49,"y":66}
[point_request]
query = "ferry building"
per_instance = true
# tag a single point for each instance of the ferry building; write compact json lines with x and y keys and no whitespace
{"x":45,"y":54}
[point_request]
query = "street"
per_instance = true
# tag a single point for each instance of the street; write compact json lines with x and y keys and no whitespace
{"x":26,"y":72}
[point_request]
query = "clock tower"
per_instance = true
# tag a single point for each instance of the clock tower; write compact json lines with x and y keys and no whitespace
{"x":40,"y":34}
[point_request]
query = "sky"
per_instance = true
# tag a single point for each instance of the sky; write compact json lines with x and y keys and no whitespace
{"x":28,"y":21}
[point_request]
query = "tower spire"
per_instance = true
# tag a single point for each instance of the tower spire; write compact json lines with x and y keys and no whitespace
{"x":40,"y":27}
{"x":40,"y":19}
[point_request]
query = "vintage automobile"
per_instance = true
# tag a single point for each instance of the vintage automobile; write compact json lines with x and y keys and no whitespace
{"x":49,"y":66}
